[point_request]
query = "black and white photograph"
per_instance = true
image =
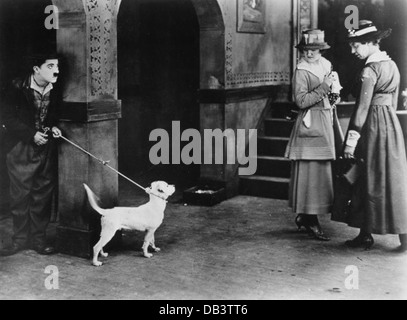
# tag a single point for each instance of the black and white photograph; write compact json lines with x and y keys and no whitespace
{"x":200,"y":155}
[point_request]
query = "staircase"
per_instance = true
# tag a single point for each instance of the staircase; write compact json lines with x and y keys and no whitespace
{"x":273,"y":170}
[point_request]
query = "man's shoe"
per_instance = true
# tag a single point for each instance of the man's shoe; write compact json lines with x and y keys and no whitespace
{"x":11,"y":250}
{"x":43,"y":249}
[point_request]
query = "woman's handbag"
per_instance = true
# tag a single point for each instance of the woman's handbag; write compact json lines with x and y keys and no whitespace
{"x":346,"y":174}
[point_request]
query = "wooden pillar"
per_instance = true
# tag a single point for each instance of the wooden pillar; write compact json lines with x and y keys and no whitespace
{"x":87,"y":40}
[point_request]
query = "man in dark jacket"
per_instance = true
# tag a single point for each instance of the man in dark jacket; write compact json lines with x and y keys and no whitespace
{"x":30,"y":117}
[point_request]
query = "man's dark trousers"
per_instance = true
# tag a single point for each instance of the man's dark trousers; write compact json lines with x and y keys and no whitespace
{"x":32,"y":172}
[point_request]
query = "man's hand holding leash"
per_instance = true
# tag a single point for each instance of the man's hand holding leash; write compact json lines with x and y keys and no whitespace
{"x":41,"y":138}
{"x":56,"y":133}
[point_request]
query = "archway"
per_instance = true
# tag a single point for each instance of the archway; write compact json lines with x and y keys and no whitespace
{"x":160,"y":71}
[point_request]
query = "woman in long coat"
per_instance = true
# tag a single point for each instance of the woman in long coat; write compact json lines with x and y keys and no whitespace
{"x":312,"y":144}
{"x":379,"y":199}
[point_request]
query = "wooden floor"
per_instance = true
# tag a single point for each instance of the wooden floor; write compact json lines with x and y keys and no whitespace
{"x":244,"y":248}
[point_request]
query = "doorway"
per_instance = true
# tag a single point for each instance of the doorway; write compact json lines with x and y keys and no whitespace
{"x":158,"y":82}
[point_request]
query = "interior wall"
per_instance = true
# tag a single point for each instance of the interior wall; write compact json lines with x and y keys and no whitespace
{"x":158,"y":78}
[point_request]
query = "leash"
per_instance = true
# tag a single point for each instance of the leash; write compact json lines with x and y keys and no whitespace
{"x":106,"y":164}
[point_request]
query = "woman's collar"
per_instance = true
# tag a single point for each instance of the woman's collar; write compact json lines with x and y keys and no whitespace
{"x":378,"y":57}
{"x":316,"y":68}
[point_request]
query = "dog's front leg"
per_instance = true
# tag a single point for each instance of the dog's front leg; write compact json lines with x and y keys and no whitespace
{"x":147,"y":240}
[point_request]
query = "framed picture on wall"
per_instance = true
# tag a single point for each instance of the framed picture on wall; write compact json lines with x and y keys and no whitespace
{"x":251,"y":16}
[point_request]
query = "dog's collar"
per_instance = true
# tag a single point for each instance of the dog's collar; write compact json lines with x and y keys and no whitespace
{"x":158,"y":196}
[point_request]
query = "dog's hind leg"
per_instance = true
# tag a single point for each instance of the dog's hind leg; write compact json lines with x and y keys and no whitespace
{"x":152,"y":244}
{"x":96,"y":249}
{"x":104,"y":254}
{"x":147,"y":241}
{"x":105,"y":236}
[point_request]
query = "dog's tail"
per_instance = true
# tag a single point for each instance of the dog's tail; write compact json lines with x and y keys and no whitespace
{"x":93,"y":200}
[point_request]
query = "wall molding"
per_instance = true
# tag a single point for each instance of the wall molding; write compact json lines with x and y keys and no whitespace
{"x":90,"y":111}
{"x":224,"y":96}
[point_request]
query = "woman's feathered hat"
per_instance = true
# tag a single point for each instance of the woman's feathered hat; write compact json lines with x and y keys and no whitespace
{"x":367,"y":32}
{"x":313,"y":40}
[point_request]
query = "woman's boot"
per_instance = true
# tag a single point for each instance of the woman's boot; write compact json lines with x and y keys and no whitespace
{"x":403,"y":243}
{"x":363,"y":240}
{"x":315,"y":229}
{"x":302,"y":221}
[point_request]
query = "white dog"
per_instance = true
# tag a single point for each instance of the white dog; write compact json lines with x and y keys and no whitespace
{"x":147,"y":217}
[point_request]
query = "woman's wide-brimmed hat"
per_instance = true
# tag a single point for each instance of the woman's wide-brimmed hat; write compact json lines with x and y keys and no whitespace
{"x":367,"y":32}
{"x":313,"y":40}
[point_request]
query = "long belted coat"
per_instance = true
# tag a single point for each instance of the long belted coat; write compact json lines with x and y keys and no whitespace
{"x":312,"y":137}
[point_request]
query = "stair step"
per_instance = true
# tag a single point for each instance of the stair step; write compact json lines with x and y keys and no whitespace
{"x":272,"y":146}
{"x":273,"y":166}
{"x":278,"y":127}
{"x":266,"y":187}
{"x":283,"y":109}
{"x":272,"y":178}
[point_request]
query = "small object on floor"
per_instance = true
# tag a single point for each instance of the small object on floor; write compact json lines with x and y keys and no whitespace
{"x":205,"y":191}
{"x":43,"y":249}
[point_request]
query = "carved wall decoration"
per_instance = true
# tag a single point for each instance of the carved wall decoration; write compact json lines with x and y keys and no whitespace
{"x":101,"y":15}
{"x":229,"y":55}
{"x":258,"y":79}
{"x":241,"y":80}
